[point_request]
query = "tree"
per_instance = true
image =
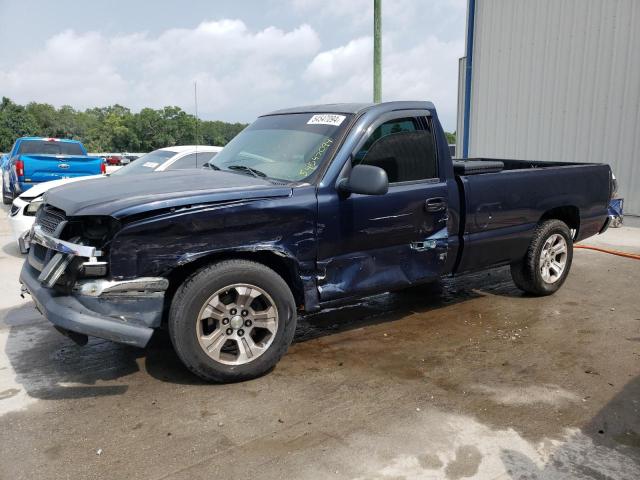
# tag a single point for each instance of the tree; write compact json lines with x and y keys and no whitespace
{"x":45,"y":116}
{"x":15,"y":122}
{"x":451,"y":137}
{"x":112,"y":129}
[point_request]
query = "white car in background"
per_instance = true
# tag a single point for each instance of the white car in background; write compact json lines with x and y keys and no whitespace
{"x":24,"y":207}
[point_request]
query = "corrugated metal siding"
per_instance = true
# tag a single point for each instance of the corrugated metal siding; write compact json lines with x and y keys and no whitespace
{"x":559,"y":80}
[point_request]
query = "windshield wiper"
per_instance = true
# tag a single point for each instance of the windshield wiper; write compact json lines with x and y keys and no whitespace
{"x":211,"y":166}
{"x":244,"y":168}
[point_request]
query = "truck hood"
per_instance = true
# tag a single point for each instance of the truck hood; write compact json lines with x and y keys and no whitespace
{"x":120,"y":196}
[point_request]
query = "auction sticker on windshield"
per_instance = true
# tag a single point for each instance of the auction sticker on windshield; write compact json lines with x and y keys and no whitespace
{"x":326,"y":119}
{"x":150,"y":164}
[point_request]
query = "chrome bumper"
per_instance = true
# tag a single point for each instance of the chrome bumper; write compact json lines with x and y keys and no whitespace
{"x":137,"y":287}
{"x":62,"y":246}
{"x":24,"y":241}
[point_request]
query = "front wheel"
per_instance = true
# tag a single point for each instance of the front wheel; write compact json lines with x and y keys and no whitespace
{"x":547,"y":262}
{"x":232,"y":320}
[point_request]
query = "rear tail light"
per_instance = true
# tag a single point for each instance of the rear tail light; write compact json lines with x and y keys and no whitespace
{"x":19,"y":165}
{"x":103,"y":167}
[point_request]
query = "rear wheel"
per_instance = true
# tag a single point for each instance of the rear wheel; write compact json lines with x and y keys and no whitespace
{"x":232,"y":320}
{"x":547,"y":262}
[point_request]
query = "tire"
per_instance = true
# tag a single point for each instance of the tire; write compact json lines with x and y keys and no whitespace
{"x":199,"y":314}
{"x":532,"y":273}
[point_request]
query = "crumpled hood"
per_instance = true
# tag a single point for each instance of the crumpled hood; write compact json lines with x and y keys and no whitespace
{"x":122,"y":195}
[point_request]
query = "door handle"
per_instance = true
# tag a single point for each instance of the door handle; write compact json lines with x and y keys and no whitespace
{"x":436,"y":204}
{"x":423,"y":246}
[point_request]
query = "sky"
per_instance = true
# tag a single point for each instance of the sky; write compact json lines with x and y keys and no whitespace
{"x":247,"y":57}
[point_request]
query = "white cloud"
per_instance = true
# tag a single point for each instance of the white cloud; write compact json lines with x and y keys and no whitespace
{"x":233,"y":66}
{"x":351,"y":59}
{"x":325,"y":55}
{"x":426,"y":71}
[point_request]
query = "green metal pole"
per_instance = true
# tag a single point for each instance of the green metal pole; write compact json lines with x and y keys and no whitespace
{"x":377,"y":51}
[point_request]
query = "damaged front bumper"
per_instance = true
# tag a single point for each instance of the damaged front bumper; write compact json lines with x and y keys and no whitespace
{"x":124,"y":311}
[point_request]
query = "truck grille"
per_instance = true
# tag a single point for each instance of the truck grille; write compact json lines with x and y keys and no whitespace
{"x":49,"y":218}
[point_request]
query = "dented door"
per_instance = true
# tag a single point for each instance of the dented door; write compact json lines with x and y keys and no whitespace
{"x":369,"y":243}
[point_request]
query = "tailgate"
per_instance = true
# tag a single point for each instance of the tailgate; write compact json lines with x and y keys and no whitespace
{"x":43,"y":168}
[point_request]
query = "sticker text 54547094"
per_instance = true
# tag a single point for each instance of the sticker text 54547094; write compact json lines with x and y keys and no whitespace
{"x":326,"y":119}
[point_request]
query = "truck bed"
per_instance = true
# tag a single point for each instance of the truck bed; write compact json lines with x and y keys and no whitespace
{"x":503,"y":200}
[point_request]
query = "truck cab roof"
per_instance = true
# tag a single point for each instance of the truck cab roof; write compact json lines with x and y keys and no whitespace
{"x":357,"y":107}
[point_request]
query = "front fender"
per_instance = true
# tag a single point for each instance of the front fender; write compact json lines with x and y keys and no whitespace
{"x":157,"y":245}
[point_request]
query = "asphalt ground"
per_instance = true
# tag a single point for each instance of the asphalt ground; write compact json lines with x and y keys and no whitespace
{"x":467,"y":378}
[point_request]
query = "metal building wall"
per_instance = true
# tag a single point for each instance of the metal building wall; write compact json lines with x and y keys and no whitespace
{"x":462,"y":65}
{"x":559,"y":80}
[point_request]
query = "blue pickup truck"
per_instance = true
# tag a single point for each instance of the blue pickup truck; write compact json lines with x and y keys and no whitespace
{"x":35,"y":159}
{"x":307,"y":208}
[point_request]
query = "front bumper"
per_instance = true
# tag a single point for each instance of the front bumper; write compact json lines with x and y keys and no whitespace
{"x":122,"y":311}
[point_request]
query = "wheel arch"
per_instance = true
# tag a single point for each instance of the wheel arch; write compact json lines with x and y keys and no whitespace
{"x":569,"y":214}
{"x":283,"y":264}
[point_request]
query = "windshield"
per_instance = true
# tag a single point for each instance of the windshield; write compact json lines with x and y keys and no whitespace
{"x":146,"y":163}
{"x":289,"y":147}
{"x":52,"y":147}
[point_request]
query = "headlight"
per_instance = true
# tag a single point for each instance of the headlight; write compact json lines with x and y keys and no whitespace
{"x":33,"y":207}
{"x":99,"y":229}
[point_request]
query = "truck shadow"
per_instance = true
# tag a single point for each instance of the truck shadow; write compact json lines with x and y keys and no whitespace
{"x":50,"y":366}
{"x":162,"y":363}
{"x":393,"y":306}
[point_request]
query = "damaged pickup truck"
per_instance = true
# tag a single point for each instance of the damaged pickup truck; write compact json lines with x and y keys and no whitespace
{"x":306,"y":208}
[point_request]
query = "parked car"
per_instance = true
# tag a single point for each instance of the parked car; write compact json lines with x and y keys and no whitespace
{"x":128,"y":158}
{"x":35,"y":159}
{"x":306,"y":208}
{"x":113,"y":160}
{"x":25,"y":206}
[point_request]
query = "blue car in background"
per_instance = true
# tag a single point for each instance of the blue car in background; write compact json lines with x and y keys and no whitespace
{"x":34,"y":160}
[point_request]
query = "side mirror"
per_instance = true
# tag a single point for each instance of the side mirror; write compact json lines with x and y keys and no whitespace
{"x":365,"y":180}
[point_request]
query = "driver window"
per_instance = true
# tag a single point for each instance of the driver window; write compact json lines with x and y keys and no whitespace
{"x":404,"y":148}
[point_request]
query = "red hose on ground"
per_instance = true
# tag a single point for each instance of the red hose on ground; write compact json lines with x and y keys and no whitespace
{"x":611,"y":252}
